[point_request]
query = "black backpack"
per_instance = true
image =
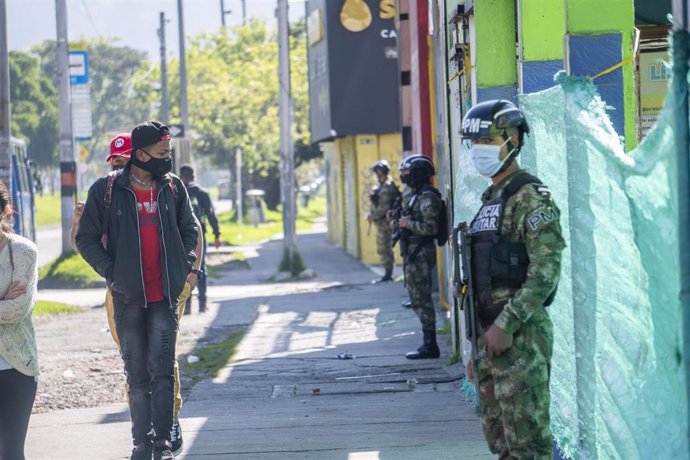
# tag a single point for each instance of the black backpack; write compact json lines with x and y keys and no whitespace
{"x":443,"y":231}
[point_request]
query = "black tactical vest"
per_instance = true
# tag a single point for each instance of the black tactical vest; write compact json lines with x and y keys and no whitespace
{"x":497,"y":263}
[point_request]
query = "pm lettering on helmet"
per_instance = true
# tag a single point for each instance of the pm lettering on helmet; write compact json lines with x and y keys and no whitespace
{"x":542,"y":218}
{"x":471,"y":125}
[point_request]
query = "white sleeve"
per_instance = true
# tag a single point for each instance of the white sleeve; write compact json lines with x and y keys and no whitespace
{"x":26,"y":272}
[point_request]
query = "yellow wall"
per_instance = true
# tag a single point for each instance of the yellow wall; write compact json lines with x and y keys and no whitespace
{"x":348,"y":204}
{"x":371,"y":148}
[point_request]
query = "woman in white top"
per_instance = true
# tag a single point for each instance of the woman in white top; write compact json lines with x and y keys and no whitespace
{"x":18,"y":356}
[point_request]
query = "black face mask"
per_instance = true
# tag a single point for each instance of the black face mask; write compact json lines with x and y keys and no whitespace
{"x":155,"y":166}
{"x":417,"y":178}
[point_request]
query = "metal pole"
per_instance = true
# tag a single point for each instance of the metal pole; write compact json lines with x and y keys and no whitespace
{"x":67,"y":164}
{"x":165,"y":105}
{"x":244,"y":12}
{"x":184,"y":111}
{"x":238,"y":179}
{"x":287,"y":161}
{"x":222,"y":12}
{"x":681,"y":52}
{"x":5,"y":151}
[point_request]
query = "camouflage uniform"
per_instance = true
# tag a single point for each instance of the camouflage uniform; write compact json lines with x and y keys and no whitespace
{"x":387,"y":193}
{"x":419,"y":267}
{"x":514,"y":387}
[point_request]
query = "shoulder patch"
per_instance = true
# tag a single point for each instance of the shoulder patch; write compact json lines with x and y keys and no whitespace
{"x":541,"y":218}
{"x":543,"y":190}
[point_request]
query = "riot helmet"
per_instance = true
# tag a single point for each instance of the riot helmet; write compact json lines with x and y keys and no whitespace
{"x":416,"y":170}
{"x":381,"y":165}
{"x":493,"y":119}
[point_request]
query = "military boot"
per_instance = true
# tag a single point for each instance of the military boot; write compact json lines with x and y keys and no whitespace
{"x":427,"y":351}
{"x":388,"y":276}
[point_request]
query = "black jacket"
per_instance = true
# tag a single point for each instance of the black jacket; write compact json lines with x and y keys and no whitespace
{"x":120,"y":264}
{"x":203,"y":207}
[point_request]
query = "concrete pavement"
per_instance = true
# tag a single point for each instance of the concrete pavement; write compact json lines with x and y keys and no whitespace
{"x":287,"y":395}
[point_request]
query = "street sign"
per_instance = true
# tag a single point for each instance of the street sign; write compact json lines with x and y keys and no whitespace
{"x":81,"y":112}
{"x":78,"y":67}
{"x":176,"y":130}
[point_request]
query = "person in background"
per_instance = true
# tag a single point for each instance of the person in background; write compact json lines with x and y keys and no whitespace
{"x":18,"y":354}
{"x":203,"y":209}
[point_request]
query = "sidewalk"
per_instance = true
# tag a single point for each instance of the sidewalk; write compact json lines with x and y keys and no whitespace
{"x":287,"y":395}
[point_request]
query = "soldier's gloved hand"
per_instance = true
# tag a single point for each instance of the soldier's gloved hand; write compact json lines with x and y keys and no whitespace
{"x":404,"y":222}
{"x":497,"y":341}
{"x":389,"y":215}
{"x":369,"y":218}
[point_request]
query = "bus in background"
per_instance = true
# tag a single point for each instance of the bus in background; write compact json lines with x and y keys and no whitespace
{"x":22,"y":191}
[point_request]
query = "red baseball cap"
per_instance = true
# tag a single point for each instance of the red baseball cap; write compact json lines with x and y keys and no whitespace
{"x":121,"y":145}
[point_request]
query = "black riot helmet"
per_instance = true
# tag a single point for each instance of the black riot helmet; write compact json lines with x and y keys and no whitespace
{"x":381,"y":165}
{"x":420,"y":169}
{"x":493,"y":118}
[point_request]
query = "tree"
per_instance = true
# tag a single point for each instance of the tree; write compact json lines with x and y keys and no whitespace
{"x":122,"y":88}
{"x":233,"y":99}
{"x":34,"y":109}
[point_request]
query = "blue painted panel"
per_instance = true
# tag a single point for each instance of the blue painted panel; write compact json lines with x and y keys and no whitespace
{"x":538,"y":75}
{"x":497,"y":92}
{"x":589,"y":55}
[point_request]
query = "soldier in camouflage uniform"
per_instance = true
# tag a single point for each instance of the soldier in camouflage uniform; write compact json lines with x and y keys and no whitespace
{"x":516,"y":246}
{"x":382,"y":200}
{"x":421,"y":211}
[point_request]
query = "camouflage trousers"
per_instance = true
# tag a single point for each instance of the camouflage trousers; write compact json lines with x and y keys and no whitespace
{"x":514,"y":392}
{"x":418,"y":274}
{"x":383,"y":244}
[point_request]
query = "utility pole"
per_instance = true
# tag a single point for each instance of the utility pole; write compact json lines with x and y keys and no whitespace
{"x":244,"y":12}
{"x":238,"y":174}
{"x":184,"y":110}
{"x":165,"y":105}
{"x":68,"y":167}
{"x":223,"y":12}
{"x":5,"y":151}
{"x":287,"y":173}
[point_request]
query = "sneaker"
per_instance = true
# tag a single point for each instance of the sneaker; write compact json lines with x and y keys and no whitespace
{"x":176,"y":438}
{"x":142,"y":451}
{"x":162,"y":450}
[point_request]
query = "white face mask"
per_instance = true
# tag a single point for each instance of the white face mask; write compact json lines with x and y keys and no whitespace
{"x":486,"y":158}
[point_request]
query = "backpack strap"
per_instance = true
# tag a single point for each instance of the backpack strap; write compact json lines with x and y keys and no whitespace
{"x":107,"y":199}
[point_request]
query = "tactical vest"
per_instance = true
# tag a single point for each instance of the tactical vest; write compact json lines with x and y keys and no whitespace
{"x":495,"y":262}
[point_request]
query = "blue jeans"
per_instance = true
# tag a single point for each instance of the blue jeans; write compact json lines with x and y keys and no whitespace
{"x":147,"y":343}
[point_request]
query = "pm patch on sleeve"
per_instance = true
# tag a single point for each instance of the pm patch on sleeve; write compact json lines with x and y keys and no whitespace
{"x":542,"y":218}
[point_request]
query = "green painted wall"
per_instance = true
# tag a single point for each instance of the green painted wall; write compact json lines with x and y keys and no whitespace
{"x":495,"y":39}
{"x":591,"y":16}
{"x":543,"y":27}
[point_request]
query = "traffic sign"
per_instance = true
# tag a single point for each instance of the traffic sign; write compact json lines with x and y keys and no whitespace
{"x":78,"y":67}
{"x":176,"y":130}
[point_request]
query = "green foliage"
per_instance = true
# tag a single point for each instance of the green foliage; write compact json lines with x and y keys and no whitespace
{"x":34,"y":108}
{"x":233,"y":101}
{"x":122,"y":88}
{"x":214,"y":357}
{"x":47,"y":308}
{"x":48,"y":209}
{"x":69,"y":271}
{"x":294,"y":265}
{"x":453,"y":358}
